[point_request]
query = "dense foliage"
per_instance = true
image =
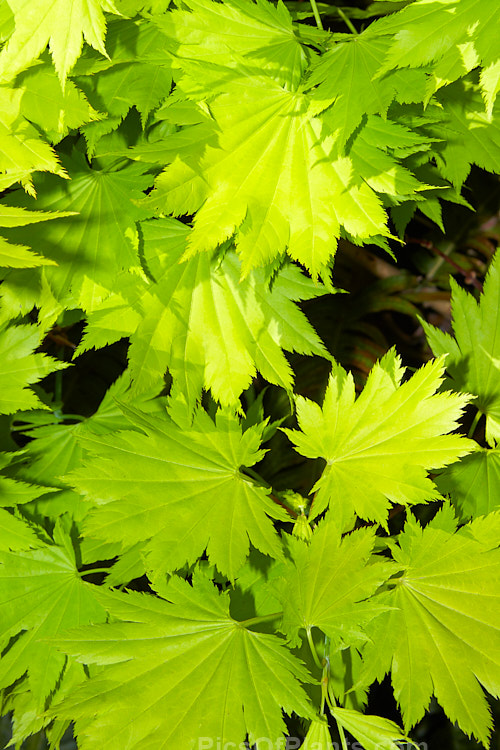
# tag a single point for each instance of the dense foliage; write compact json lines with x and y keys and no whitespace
{"x":246,"y":528}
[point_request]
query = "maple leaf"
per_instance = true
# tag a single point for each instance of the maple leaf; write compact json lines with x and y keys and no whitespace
{"x":21,"y":149}
{"x":374,"y":732}
{"x":445,"y":624}
{"x":318,"y":736}
{"x":272,"y":179}
{"x":343,"y":78}
{"x":41,"y":595}
{"x":428,"y":30}
{"x":138,"y":75}
{"x":473,"y":483}
{"x":329,"y":585}
{"x":468,"y":135}
{"x":53,"y":109}
{"x":181,"y":489}
{"x":18,"y":256}
{"x":103,"y":202}
{"x":63,"y":24}
{"x":379,"y":446}
{"x":20,"y":367}
{"x":245,"y":325}
{"x":259,"y":34}
{"x":473,"y":359}
{"x":185,"y":657}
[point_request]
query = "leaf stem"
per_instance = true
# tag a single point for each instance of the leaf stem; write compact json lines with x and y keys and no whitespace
{"x":332,"y":703}
{"x":258,"y":620}
{"x":473,"y":426}
{"x":347,"y":21}
{"x":317,"y":16}
{"x":313,"y":649}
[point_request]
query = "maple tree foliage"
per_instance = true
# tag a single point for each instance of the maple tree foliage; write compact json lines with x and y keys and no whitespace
{"x":179,"y":176}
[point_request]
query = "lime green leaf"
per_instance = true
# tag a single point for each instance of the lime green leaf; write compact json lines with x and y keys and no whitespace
{"x":20,"y":367}
{"x":104,"y":202}
{"x":259,"y":33}
{"x":428,"y":30}
{"x":469,"y":135}
{"x":17,"y":256}
{"x":41,"y":595}
{"x":473,"y":483}
{"x":330,"y":583}
{"x":318,"y":736}
{"x":21,"y":149}
{"x":63,"y":24}
{"x":344,"y":76}
{"x":185,"y":657}
{"x":181,"y":489}
{"x":473,"y":360}
{"x":379,"y":446}
{"x":272,"y":180}
{"x":374,"y":732}
{"x":15,"y":534}
{"x":55,"y":111}
{"x":445,"y":626}
{"x":211,"y":330}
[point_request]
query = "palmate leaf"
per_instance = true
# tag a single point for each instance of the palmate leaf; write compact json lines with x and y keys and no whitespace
{"x":224,"y":34}
{"x":429,"y":30}
{"x":22,"y":151}
{"x":379,"y":447}
{"x":374,"y":732}
{"x":17,"y":256}
{"x":93,"y":246}
{"x":443,"y":637}
{"x":63,"y":24}
{"x":473,"y":360}
{"x":182,"y":489}
{"x":272,"y":179}
{"x":473,"y":483}
{"x":178,"y":670}
{"x":329,"y":585}
{"x":20,"y":367}
{"x":201,"y":323}
{"x":41,"y":595}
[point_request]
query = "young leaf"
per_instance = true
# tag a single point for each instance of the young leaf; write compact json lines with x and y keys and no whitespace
{"x":374,"y":732}
{"x":182,"y":490}
{"x":63,"y":24}
{"x":179,"y":669}
{"x":103,"y":200}
{"x":41,"y":595}
{"x":20,"y":367}
{"x":473,"y":360}
{"x":211,"y":330}
{"x":272,"y":180}
{"x":379,"y":447}
{"x":445,"y":625}
{"x":329,"y":585}
{"x":318,"y":736}
{"x":473,"y":483}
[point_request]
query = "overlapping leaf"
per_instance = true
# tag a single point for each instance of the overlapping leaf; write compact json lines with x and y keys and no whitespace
{"x":270,"y":179}
{"x":182,"y":490}
{"x":20,"y":367}
{"x":330,"y":583}
{"x":179,"y":670}
{"x":224,"y":34}
{"x":63,"y":24}
{"x":203,"y":325}
{"x":473,"y":483}
{"x":443,"y":637}
{"x":379,"y":447}
{"x":473,"y":360}
{"x":41,"y":595}
{"x":93,"y":246}
{"x":462,"y":31}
